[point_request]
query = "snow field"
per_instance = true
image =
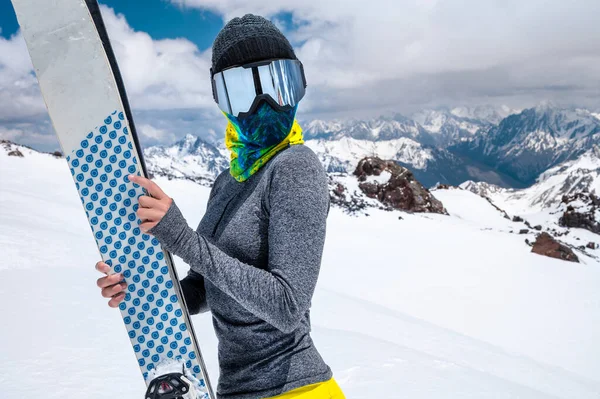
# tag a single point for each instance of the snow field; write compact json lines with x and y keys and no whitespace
{"x":425,"y":307}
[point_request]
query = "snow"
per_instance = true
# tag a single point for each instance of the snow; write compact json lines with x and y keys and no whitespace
{"x":566,"y":178}
{"x":429,"y":306}
{"x":383,"y":178}
{"x":351,"y":150}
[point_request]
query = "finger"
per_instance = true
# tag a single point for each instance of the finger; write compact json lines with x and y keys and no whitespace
{"x":115,"y":300}
{"x":147,"y":226}
{"x":108,"y":281}
{"x":149,"y":185}
{"x":102,"y":267}
{"x":151,"y":215}
{"x":113,"y":290}
{"x":149,"y":202}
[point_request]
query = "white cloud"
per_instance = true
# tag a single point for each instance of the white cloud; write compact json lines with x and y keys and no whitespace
{"x":159,"y":74}
{"x":19,"y":91}
{"x":512,"y":46}
{"x":10,"y":134}
{"x":157,"y":135}
{"x":31,"y":135}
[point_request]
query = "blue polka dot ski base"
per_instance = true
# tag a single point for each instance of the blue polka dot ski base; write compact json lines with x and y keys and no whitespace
{"x":151,"y":309}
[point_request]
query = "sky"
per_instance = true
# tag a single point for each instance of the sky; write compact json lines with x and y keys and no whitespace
{"x":362,"y":59}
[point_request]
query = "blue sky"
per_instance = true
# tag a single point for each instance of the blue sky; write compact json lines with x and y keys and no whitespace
{"x":362,"y":60}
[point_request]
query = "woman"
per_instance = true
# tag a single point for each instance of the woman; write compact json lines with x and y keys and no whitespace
{"x":256,"y":254}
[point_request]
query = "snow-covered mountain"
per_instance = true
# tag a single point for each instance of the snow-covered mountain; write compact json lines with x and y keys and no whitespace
{"x":431,"y":165}
{"x":483,"y":188}
{"x":432,"y":126}
{"x":447,"y":127}
{"x":525,"y":145}
{"x":190,"y":158}
{"x":466,"y":143}
{"x":484,"y":113}
{"x":581,"y":175}
{"x":407,"y":305}
{"x":441,"y":146}
{"x":563,"y":198}
{"x":377,"y":129}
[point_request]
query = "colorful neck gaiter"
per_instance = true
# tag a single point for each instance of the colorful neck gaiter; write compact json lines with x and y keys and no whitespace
{"x":254,"y":140}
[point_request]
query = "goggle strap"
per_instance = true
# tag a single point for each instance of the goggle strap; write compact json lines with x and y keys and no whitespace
{"x":257,"y":84}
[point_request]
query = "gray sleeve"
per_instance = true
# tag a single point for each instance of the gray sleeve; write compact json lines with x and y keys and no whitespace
{"x":297,"y":202}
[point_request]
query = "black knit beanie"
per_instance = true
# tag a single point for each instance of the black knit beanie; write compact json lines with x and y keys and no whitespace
{"x":249,"y":39}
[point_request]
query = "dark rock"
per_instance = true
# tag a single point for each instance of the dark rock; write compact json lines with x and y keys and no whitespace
{"x":517,"y":219}
{"x":57,"y":154}
{"x":342,"y":197}
{"x":15,"y":153}
{"x":504,"y":214}
{"x":584,"y":216}
{"x":443,"y":186}
{"x":548,"y":246}
{"x":523,"y":231}
{"x":592,"y":245}
{"x":402,"y":191}
{"x":584,"y":220}
{"x":527,"y":224}
{"x":339,"y":190}
{"x":538,"y":227}
{"x":585,"y":197}
{"x":581,"y":220}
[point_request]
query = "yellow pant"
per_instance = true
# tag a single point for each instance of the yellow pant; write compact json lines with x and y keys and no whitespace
{"x":321,"y":390}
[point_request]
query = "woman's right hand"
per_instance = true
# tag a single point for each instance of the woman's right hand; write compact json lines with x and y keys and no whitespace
{"x":112,"y":285}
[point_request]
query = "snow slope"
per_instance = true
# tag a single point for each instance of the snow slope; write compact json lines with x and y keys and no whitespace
{"x":581,"y":174}
{"x":428,"y":306}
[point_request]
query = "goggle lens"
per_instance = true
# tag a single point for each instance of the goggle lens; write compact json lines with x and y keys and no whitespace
{"x":236,"y":89}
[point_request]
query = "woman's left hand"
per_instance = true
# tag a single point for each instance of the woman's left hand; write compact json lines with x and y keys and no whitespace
{"x":151,"y":209}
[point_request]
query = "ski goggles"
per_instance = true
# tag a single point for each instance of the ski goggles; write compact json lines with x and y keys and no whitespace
{"x":238,"y":89}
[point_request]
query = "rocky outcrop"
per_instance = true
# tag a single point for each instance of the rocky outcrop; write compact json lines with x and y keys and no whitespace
{"x":582,"y":211}
{"x":13,"y":149}
{"x":395,"y":186}
{"x":548,"y":246}
{"x":339,"y":195}
{"x":15,"y":153}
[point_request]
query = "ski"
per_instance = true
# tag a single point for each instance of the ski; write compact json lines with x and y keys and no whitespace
{"x":87,"y":104}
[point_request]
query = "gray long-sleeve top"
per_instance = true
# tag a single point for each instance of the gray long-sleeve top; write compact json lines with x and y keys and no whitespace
{"x":254,"y":260}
